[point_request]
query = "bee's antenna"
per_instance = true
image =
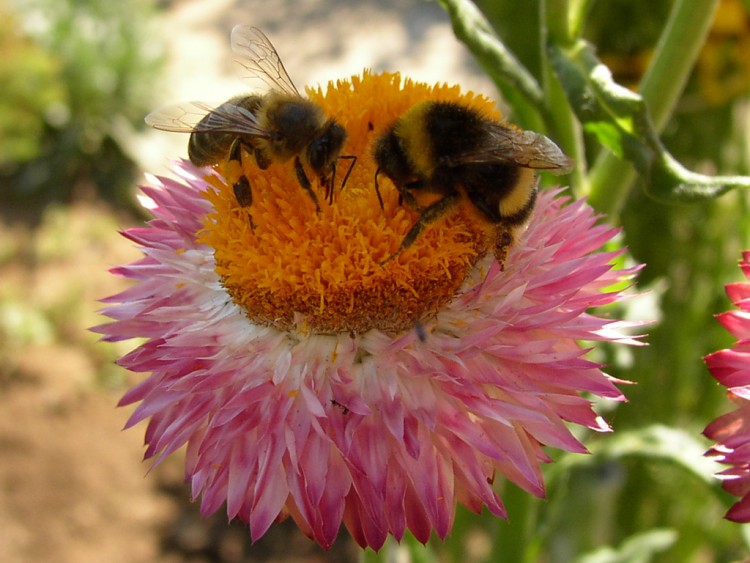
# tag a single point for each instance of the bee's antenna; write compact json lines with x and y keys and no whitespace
{"x":377,"y":189}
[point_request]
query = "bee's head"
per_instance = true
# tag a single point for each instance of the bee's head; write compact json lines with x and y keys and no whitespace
{"x":325,"y":148}
{"x":391,"y":158}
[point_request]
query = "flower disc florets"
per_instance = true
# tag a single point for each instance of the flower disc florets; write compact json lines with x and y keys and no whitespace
{"x":308,"y":380}
{"x":287,"y":264}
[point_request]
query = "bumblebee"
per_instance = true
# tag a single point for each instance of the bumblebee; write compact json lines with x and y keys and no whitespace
{"x":277,"y":126}
{"x":458,"y":154}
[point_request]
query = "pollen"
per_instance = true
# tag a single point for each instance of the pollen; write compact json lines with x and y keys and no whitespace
{"x":326,"y":271}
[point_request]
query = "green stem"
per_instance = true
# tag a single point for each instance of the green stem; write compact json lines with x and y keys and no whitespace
{"x":579,"y":9}
{"x":565,"y":127}
{"x":518,"y":538}
{"x":471,"y":27}
{"x":556,"y":18}
{"x":566,"y":130}
{"x":678,"y":47}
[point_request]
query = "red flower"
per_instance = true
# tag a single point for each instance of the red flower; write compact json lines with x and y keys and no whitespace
{"x":731,"y":368}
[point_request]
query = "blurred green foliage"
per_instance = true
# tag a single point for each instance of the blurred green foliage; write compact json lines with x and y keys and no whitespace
{"x":77,"y":84}
{"x":33,"y":85}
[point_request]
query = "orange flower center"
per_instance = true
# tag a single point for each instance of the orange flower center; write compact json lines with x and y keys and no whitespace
{"x":292,"y":267}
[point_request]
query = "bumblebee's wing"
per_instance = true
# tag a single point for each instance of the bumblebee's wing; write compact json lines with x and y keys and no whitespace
{"x":512,"y":146}
{"x":259,"y":58}
{"x":192,"y":117}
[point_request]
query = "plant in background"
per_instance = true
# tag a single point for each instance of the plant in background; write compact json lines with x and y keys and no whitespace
{"x":32,"y":88}
{"x":90,"y":68}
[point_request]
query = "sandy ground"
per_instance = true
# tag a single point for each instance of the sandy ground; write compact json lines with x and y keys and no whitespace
{"x":73,"y":487}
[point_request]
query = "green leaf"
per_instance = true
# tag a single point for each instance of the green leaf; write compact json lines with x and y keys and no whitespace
{"x":608,"y":135}
{"x":655,"y":443}
{"x":640,"y":548}
{"x":621,"y":122}
{"x":500,"y":63}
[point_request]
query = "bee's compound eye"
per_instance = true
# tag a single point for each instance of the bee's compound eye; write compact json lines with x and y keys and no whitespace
{"x":392,"y":160}
{"x":326,"y":147}
{"x":336,"y":135}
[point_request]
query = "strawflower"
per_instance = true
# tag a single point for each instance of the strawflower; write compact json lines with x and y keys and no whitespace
{"x":309,"y":380}
{"x":731,"y":368}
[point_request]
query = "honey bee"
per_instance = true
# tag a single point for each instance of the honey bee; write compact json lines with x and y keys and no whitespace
{"x":274,"y":127}
{"x":456,"y":153}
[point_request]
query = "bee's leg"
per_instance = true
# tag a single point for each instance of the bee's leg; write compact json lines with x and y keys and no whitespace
{"x":261,"y":159}
{"x":244,"y":195}
{"x":353,"y":158}
{"x":377,"y":189}
{"x":503,"y":240}
{"x":305,"y":182}
{"x":405,"y":195}
{"x":235,"y":151}
{"x":403,"y":192}
{"x":430,"y":214}
{"x":242,"y":189}
{"x":329,"y":181}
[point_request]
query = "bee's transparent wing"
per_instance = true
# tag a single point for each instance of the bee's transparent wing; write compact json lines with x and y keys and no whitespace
{"x":192,"y":117}
{"x":521,"y":148}
{"x":259,"y":58}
